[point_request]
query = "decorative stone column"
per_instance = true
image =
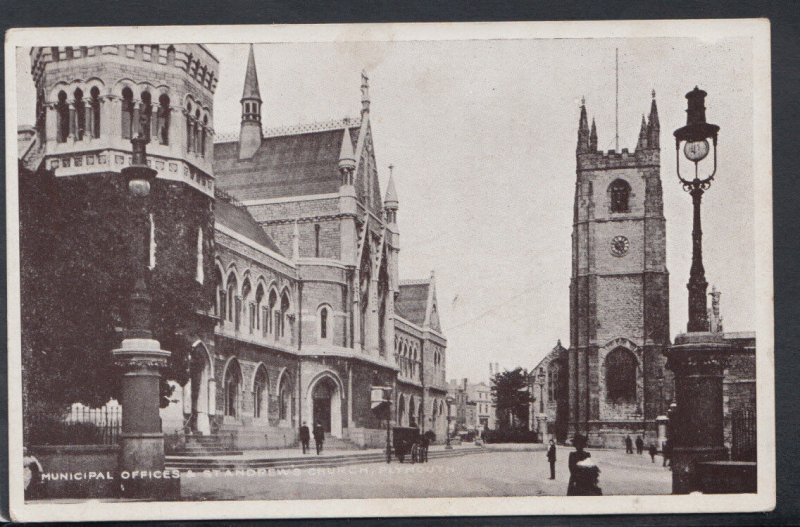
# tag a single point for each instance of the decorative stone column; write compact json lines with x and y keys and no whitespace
{"x":698,"y":361}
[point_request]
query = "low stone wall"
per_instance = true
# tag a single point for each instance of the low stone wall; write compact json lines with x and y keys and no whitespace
{"x":259,"y":437}
{"x":77,"y":471}
{"x":367,"y":437}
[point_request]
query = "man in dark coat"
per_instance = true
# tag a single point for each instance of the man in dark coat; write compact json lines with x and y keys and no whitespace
{"x":305,"y":437}
{"x":639,"y":445}
{"x":551,"y":458}
{"x":628,"y":445}
{"x":319,"y":436}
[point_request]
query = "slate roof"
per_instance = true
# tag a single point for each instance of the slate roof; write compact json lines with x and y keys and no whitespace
{"x":238,"y":219}
{"x":412,"y":302}
{"x":283,"y":166}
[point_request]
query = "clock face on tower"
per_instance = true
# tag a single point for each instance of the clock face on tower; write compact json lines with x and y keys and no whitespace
{"x":619,"y":246}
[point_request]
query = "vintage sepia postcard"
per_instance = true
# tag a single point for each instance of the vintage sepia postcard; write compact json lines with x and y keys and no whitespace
{"x":389,"y":270}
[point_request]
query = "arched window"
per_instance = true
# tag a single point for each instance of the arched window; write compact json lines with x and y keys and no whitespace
{"x":196,"y":131}
{"x":62,"y":118}
{"x":189,"y":128}
{"x":323,"y":323}
{"x":260,"y":392}
{"x":163,"y":119}
{"x":246,"y":289}
{"x":285,"y":399}
{"x":284,"y":313}
{"x":233,"y":382}
{"x":146,"y":116}
{"x":127,"y":113}
{"x":621,"y":368}
{"x":620,"y":192}
{"x":170,"y":55}
{"x":316,"y":240}
{"x":272,"y":322}
{"x":552,"y":381}
{"x":80,"y":114}
{"x":232,"y":315}
{"x":219,"y":307}
{"x":259,"y":307}
{"x":203,"y":136}
{"x":94,"y":106}
{"x":199,"y":273}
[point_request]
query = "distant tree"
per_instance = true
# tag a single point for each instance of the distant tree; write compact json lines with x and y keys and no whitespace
{"x":511,"y":397}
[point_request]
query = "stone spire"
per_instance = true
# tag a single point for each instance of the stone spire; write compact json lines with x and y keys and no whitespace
{"x":583,"y":130}
{"x":593,"y":138}
{"x":347,"y":159}
{"x":390,"y":202}
{"x":653,"y":126}
{"x":642,"y":143}
{"x":250,"y":133}
{"x":364,"y":93}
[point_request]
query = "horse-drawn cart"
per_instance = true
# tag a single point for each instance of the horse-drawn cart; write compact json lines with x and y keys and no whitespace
{"x":407,"y":441}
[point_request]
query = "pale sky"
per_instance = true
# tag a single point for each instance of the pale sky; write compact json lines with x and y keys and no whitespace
{"x":482,"y":135}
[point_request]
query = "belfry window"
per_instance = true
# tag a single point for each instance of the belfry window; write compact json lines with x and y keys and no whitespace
{"x":94,"y":105}
{"x":620,"y":379}
{"x":620,"y":193}
{"x":80,"y":114}
{"x":163,"y":119}
{"x":146,"y":115}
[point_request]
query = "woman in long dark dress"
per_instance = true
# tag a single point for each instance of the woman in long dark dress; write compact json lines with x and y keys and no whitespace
{"x":582,"y":479}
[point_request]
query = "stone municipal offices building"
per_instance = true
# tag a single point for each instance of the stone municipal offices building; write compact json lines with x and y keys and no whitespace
{"x":302,"y":250}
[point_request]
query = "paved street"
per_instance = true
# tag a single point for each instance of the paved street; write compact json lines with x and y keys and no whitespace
{"x":507,"y":472}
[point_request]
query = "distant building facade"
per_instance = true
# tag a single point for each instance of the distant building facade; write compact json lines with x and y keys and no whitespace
{"x":473,"y":407}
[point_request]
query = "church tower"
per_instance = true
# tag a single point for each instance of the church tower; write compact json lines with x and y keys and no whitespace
{"x":619,"y":291}
{"x":250,"y":133}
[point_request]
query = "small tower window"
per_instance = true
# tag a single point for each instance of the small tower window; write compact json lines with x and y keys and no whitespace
{"x":94,"y":104}
{"x":316,"y":240}
{"x":163,"y":119}
{"x":171,"y":55}
{"x":127,"y":113}
{"x":80,"y":114}
{"x":62,"y":118}
{"x":323,"y":323}
{"x":620,"y":193}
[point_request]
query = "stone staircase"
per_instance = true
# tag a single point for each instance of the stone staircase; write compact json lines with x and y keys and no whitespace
{"x":206,"y":445}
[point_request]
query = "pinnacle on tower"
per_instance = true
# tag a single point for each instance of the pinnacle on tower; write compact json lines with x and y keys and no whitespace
{"x":364,"y":92}
{"x":593,"y":138}
{"x":390,"y":202}
{"x":583,"y":130}
{"x":347,"y":159}
{"x":642,"y":143}
{"x":653,"y":126}
{"x":251,"y":90}
{"x":250,"y":132}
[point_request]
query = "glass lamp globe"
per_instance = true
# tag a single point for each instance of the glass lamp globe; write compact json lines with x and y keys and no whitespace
{"x":139,"y":187}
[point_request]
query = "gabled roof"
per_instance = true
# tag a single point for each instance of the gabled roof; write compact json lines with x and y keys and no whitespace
{"x":238,"y":219}
{"x":283,"y":166}
{"x":417,"y":303}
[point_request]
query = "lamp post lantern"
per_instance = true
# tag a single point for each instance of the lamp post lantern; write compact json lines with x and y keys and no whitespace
{"x":695,"y":137}
{"x":141,"y":358}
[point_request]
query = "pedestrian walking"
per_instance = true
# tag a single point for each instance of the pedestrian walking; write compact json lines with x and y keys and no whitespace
{"x":653,"y":453}
{"x":628,"y":445}
{"x":666,"y":452}
{"x":639,"y":445}
{"x":319,"y":436}
{"x":583,"y":473}
{"x":551,"y":458}
{"x":305,"y":437}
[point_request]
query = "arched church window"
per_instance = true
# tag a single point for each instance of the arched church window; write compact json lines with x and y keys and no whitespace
{"x":621,"y":368}
{"x":284,"y":314}
{"x":232,"y":316}
{"x":552,"y":382}
{"x":323,"y":323}
{"x":62,"y":118}
{"x":219,"y":307}
{"x":620,"y":193}
{"x":233,"y":382}
{"x":246,"y":289}
{"x":94,"y":105}
{"x":259,"y":307}
{"x":273,"y":314}
{"x":127,"y":113}
{"x":80,"y":114}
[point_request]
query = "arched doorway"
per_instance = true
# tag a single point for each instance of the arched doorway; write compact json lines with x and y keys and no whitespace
{"x":200,"y":375}
{"x":325,"y":398}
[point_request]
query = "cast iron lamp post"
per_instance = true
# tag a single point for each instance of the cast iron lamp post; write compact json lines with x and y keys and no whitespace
{"x":141,"y":358}
{"x":695,"y":137}
{"x":449,"y":401}
{"x":698,"y":357}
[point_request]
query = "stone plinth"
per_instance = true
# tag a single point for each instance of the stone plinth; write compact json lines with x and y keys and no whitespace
{"x":696,"y":426}
{"x":141,"y":458}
